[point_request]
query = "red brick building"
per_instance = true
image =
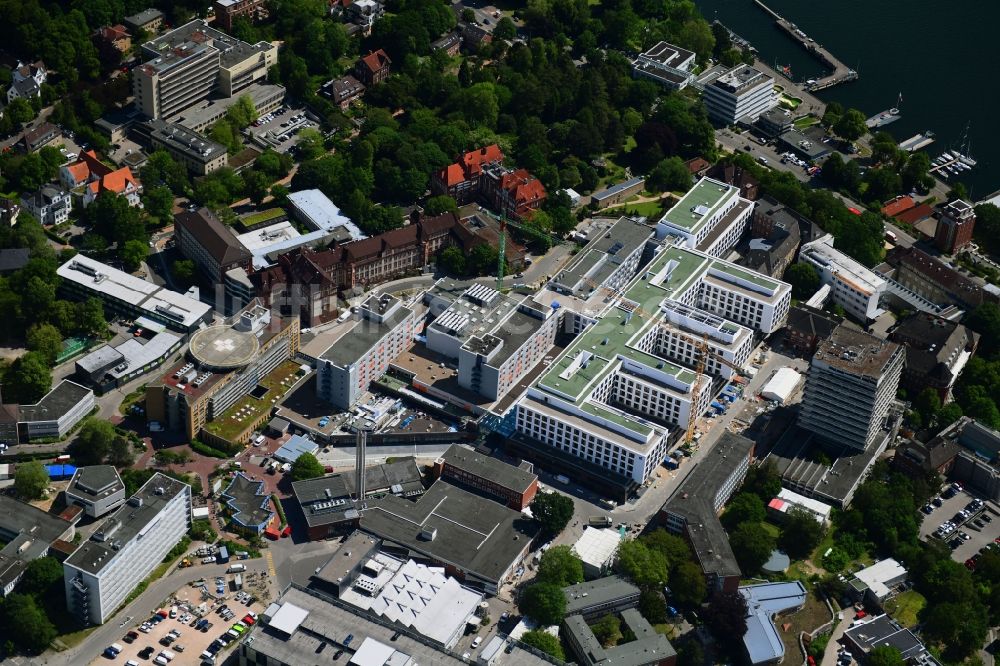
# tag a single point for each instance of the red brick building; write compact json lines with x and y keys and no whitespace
{"x":373,"y":68}
{"x":512,"y":486}
{"x":516,"y":193}
{"x":954,"y":229}
{"x":227,"y":11}
{"x":460,"y":180}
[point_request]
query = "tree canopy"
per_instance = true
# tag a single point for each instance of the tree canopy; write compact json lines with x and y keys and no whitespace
{"x":560,"y":566}
{"x":752,"y":545}
{"x":544,"y":602}
{"x":553,"y":510}
{"x":306,"y":466}
{"x":31,"y":480}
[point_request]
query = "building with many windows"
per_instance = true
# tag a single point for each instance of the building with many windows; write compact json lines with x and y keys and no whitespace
{"x":711,"y":217}
{"x":460,"y":180}
{"x":363,"y":349}
{"x":57,"y":413}
{"x":224,"y":363}
{"x":101,"y":574}
{"x":614,"y":394}
{"x":50,"y":205}
{"x":851,"y":384}
{"x":199,"y":154}
{"x":853,"y":286}
{"x":188,"y":64}
{"x":607,"y":263}
{"x":131,"y":297}
{"x":741,"y":94}
{"x":205,"y":240}
{"x":227,"y":11}
{"x":954,"y":229}
{"x":513,"y":486}
{"x":97,"y":488}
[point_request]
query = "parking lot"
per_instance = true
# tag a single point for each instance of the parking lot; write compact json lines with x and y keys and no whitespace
{"x":279,"y":128}
{"x":981,"y":526}
{"x":195,"y":624}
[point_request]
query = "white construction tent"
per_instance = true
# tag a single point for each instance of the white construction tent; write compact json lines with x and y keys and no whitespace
{"x":781,"y":386}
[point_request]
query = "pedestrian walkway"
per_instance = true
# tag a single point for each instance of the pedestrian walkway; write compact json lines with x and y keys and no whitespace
{"x":830,"y":656}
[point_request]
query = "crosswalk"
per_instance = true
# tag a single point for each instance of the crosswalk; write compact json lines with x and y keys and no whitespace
{"x":270,"y":563}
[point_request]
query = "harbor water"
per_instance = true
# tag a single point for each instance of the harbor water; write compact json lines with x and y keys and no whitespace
{"x":940,"y":56}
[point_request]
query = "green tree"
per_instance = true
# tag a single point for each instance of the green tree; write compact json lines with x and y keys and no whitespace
{"x":851,"y":125}
{"x":93,"y":441}
{"x":310,"y":144}
{"x":544,"y":641}
{"x":885,"y":655}
{"x":553,"y":510}
{"x":752,"y":546}
{"x":201,"y":530}
{"x":763,"y":480}
{"x":90,"y":315}
{"x":121,"y":452}
{"x":804,"y":280}
{"x":928,"y":403}
{"x":31,"y":480}
{"x":673,"y":547}
{"x":29,"y":378}
{"x":608,"y":630}
{"x":306,"y":466}
{"x":184,"y":271}
{"x":40,"y":577}
{"x":687,"y":584}
{"x":652,"y":606}
{"x":726,"y":616}
{"x":439,"y":205}
{"x":744,"y":508}
{"x":452,"y":261}
{"x":133,"y":253}
{"x":544,"y":602}
{"x":985,"y":320}
{"x":505,"y":29}
{"x":670,"y":175}
{"x":800,"y":534}
{"x":468,"y":16}
{"x":159,"y":202}
{"x":20,"y":111}
{"x":46,"y":340}
{"x":560,"y":566}
{"x":646,"y":567}
{"x":26,"y":624}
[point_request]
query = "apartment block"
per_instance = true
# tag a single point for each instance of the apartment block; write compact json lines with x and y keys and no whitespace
{"x":125,"y":549}
{"x":613,"y":395}
{"x":853,"y":286}
{"x":852,"y":381}
{"x":205,"y":240}
{"x":195,"y":151}
{"x":685,"y":329}
{"x":363,"y":349}
{"x":187,"y":64}
{"x":496,"y":339}
{"x":227,"y":11}
{"x":607,"y":263}
{"x":739,"y":95}
{"x":711,"y":217}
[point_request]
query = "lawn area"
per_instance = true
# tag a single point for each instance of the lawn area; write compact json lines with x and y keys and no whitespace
{"x":905,"y":607}
{"x":771,"y":529}
{"x":648,"y":209}
{"x":263,"y":216}
{"x":789,"y":102}
{"x":805,"y":121}
{"x":238,"y":417}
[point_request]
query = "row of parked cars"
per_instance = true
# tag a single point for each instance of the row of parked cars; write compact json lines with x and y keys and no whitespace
{"x":230,"y":635}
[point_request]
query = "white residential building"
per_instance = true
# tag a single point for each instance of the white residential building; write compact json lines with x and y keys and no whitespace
{"x":363,"y":349}
{"x":668,"y":65}
{"x":58,"y":412}
{"x":742,"y":93}
{"x":104,"y":570}
{"x":851,"y":384}
{"x":50,"y":205}
{"x":613,"y":395}
{"x":711,"y":217}
{"x":853,"y":286}
{"x":97,"y":488}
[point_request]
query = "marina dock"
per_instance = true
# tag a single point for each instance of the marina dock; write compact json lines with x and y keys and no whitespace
{"x":841,"y":72}
{"x":918,"y":141}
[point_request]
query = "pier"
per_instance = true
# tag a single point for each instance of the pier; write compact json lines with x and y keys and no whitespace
{"x":841,"y":73}
{"x":918,"y":141}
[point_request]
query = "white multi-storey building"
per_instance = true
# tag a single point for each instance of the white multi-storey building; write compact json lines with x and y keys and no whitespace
{"x":668,"y":65}
{"x":607,"y":263}
{"x":851,"y":384}
{"x":363,"y":349}
{"x":97,"y":488}
{"x":104,"y":570}
{"x":742,"y":93}
{"x":853,"y":286}
{"x":496,"y":339}
{"x":58,"y":412}
{"x":613,"y":395}
{"x":711,"y":217}
{"x":685,"y":329}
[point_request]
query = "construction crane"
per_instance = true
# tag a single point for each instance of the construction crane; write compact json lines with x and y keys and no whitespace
{"x":502,"y":241}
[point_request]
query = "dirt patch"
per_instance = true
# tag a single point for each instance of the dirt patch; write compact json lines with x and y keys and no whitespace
{"x":814,"y":614}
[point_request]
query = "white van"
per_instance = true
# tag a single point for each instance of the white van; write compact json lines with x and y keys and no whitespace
{"x":167,"y":654}
{"x":762,"y":160}
{"x":236,"y":568}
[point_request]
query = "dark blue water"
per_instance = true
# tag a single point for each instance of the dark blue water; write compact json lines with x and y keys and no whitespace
{"x":942,"y":57}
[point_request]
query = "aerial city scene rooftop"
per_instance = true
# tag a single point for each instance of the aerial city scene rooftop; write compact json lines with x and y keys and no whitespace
{"x":425,"y":332}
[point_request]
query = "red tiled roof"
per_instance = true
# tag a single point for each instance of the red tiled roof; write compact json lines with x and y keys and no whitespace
{"x":376,"y":60}
{"x":524,"y":187}
{"x":118,"y":181}
{"x":474,"y":160}
{"x":451,"y":174}
{"x":915,"y":214}
{"x":697,"y":164}
{"x":897,"y":206}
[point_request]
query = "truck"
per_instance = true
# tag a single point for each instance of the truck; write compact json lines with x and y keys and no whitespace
{"x":238,"y":581}
{"x":600,"y":521}
{"x":236,"y":568}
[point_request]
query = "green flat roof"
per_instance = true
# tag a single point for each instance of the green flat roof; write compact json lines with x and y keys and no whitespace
{"x":706,"y":192}
{"x":749,"y":276}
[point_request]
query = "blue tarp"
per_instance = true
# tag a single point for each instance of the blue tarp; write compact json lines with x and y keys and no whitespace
{"x":718,"y":405}
{"x":60,"y":471}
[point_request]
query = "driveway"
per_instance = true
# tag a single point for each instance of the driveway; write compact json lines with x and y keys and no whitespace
{"x":830,"y":656}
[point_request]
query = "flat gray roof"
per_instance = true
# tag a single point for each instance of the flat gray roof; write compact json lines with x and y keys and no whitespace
{"x":126,"y":523}
{"x":249,"y":501}
{"x":56,"y":403}
{"x":649,"y":646}
{"x":319,"y":498}
{"x":358,"y":339}
{"x":231,"y":50}
{"x":95,"y":482}
{"x":479,"y":536}
{"x":486,"y":467}
{"x":602,"y":256}
{"x":27,"y":532}
{"x":585,"y":595}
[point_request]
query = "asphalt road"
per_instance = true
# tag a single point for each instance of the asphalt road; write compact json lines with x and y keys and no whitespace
{"x":737,"y":143}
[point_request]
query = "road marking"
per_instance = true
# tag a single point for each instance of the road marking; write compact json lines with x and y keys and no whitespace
{"x":270,"y":563}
